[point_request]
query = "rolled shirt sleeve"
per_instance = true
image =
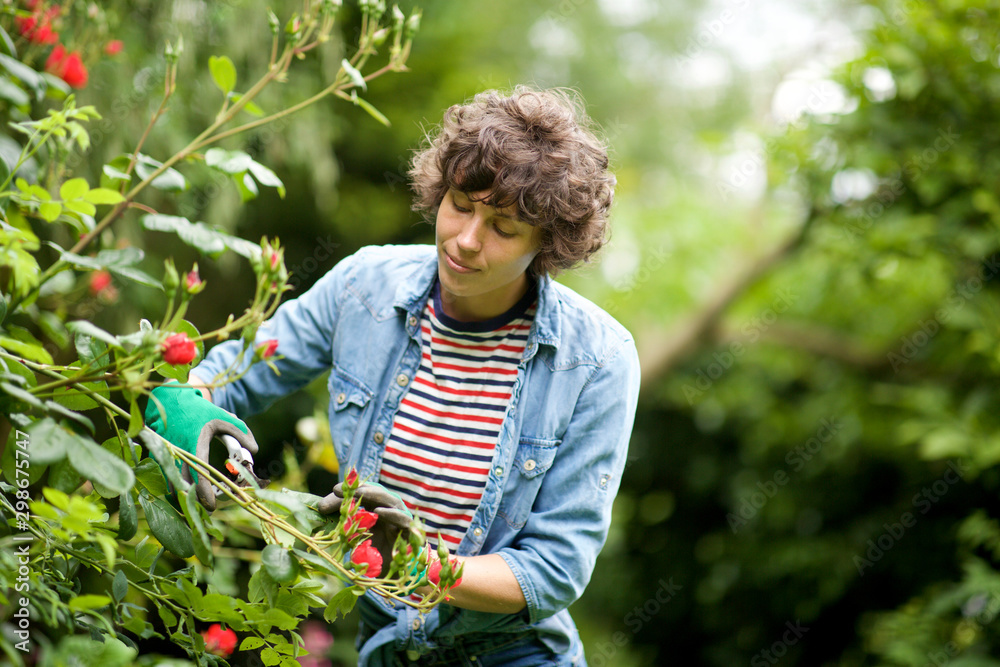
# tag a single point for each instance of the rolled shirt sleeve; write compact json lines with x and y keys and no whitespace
{"x":554,"y":554}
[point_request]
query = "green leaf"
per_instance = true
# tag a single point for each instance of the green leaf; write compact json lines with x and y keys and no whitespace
{"x":199,"y":235}
{"x":262,"y":586}
{"x":372,"y":111}
{"x":50,"y":211}
{"x":74,"y":188}
{"x":355,"y":75}
{"x":163,"y":456}
{"x":32,"y":351}
{"x":229,"y":162}
{"x":114,"y":176}
{"x":83,"y":602}
{"x":247,"y":187}
{"x":49,"y":441}
{"x":270,"y":657}
{"x":86,"y":328}
{"x":170,"y":180}
{"x":81,"y":207}
{"x":167,"y":526}
{"x":340,"y":605}
{"x":197,"y":517}
{"x":128,"y":518}
{"x":119,"y":587}
{"x":280,"y":563}
{"x":251,"y":643}
{"x":250,"y":107}
{"x":267,"y":177}
{"x":101,"y":467}
{"x":100,"y":196}
{"x":149,"y":477}
{"x":120,"y":262}
{"x":25,"y":74}
{"x":64,"y":477}
{"x":223,"y":73}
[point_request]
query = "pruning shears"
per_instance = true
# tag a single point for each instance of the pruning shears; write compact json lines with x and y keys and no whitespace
{"x":240,"y":453}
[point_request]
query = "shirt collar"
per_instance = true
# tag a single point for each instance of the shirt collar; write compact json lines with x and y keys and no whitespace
{"x":412,"y":295}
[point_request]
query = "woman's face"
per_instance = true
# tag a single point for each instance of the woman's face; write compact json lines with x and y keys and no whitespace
{"x":483,"y":256}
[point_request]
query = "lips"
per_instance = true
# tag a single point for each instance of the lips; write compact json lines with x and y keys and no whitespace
{"x":455,"y":266}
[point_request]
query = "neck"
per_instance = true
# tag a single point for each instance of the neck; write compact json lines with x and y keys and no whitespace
{"x":484,"y":306}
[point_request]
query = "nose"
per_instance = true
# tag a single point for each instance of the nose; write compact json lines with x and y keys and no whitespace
{"x":470,"y":236}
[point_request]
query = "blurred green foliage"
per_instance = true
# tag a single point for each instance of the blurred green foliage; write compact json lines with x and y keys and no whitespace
{"x":814,"y":296}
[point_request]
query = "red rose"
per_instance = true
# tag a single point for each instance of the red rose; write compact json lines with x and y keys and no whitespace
{"x":99,"y":281}
{"x":366,"y":554}
{"x":193,"y":281}
{"x":178,"y":349}
{"x":434,"y":572}
{"x":68,"y":67}
{"x":37,"y":31}
{"x":218,"y":641}
{"x":114,"y":47}
{"x":267,"y":348}
{"x":352,"y":478}
{"x":361,"y":521}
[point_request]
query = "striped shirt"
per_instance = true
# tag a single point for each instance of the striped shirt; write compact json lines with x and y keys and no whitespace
{"x":441,"y":445}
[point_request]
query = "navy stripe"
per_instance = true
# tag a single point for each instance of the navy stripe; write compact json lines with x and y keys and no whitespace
{"x":459,"y":404}
{"x":432,"y":501}
{"x":464,"y":485}
{"x":512,"y":360}
{"x":430,"y":449}
{"x":467,"y":430}
{"x":479,"y":340}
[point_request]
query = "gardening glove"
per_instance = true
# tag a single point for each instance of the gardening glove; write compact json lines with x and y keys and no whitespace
{"x":393,"y":517}
{"x":184,"y":417}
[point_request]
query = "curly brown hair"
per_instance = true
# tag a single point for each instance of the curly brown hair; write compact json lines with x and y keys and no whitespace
{"x":533,"y":151}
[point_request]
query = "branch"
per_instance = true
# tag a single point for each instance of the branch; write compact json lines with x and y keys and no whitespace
{"x":657,"y":359}
{"x":814,"y":339}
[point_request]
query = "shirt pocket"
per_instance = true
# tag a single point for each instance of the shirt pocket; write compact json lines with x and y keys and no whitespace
{"x":533,"y":457}
{"x":348,"y":400}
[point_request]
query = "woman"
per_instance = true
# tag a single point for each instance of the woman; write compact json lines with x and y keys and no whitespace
{"x":496,"y":402}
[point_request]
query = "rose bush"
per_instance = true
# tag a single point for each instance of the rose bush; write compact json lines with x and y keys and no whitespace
{"x":108,"y":558}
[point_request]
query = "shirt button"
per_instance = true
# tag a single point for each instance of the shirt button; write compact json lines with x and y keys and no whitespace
{"x":529,"y":465}
{"x":412,"y":321}
{"x":379,"y":437}
{"x":416,"y":624}
{"x":499,"y":471}
{"x":402,"y":380}
{"x":477,"y":532}
{"x":341,"y":397}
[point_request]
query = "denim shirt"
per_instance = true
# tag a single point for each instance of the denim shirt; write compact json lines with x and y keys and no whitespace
{"x":557,"y":464}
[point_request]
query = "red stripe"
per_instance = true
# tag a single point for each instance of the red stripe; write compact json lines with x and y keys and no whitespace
{"x":430,"y":487}
{"x":441,"y":438}
{"x":436,"y":464}
{"x":470,"y":369}
{"x":467,"y":518}
{"x":451,"y":415}
{"x":459,"y":392}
